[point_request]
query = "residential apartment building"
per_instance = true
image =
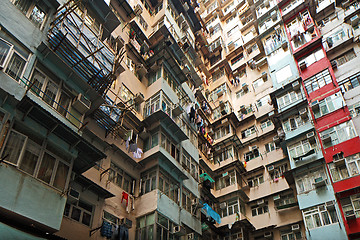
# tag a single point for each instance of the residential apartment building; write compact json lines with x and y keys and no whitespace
{"x":232,"y":119}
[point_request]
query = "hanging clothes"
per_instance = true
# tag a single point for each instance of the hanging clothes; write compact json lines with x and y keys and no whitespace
{"x":137,"y":154}
{"x":123,"y":233}
{"x":125,"y":196}
{"x":192,"y":114}
{"x":106,"y":229}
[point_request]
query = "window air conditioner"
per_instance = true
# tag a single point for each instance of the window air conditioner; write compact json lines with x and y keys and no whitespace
{"x":260,"y":202}
{"x":126,"y":222}
{"x":139,"y":98}
{"x":319,"y":182}
{"x":326,"y":138}
{"x":303,"y":113}
{"x":270,"y":168}
{"x":311,"y":137}
{"x":315,"y":105}
{"x":267,"y":3}
{"x":267,"y":234}
{"x":295,"y":227}
{"x":274,"y":15}
{"x":73,"y":195}
{"x":330,"y":205}
{"x":264,"y":76}
{"x":223,"y":205}
{"x":138,"y":10}
{"x":302,"y":65}
{"x":350,"y":215}
{"x":277,"y":197}
{"x":354,"y":20}
{"x":333,"y":64}
{"x":296,"y":85}
{"x":190,"y":236}
{"x":81,"y":103}
{"x":179,"y":231}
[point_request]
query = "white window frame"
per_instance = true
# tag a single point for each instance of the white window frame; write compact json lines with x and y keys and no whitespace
{"x":291,"y":96}
{"x":319,"y":211}
{"x":324,"y":105}
{"x":345,"y":127}
{"x":304,"y":181}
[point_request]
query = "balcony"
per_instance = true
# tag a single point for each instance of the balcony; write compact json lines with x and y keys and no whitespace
{"x":19,"y":189}
{"x":306,"y":127}
{"x":231,"y":7}
{"x":292,"y":8}
{"x":325,"y":8}
{"x":312,"y":155}
{"x":338,"y":38}
{"x":247,"y":37}
{"x":267,"y":188}
{"x":80,"y":47}
{"x":268,"y":24}
{"x":265,"y":7}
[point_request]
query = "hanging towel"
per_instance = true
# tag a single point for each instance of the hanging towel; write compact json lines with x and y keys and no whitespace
{"x":138,"y":153}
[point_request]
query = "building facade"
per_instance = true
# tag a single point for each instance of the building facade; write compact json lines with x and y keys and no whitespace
{"x":233,"y":119}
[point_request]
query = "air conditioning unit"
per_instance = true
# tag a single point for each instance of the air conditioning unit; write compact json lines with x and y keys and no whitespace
{"x":334,"y":64}
{"x":303,"y":113}
{"x":231,"y":46}
{"x":350,"y":215}
{"x":126,"y":222}
{"x":252,"y":64}
{"x":345,"y":4}
{"x":264,"y":76}
{"x":284,"y":45}
{"x":326,"y":138}
{"x":277,"y":197}
{"x":270,"y":168}
{"x":261,"y":62}
{"x":295,"y":227}
{"x":260,"y":202}
{"x":222,"y":104}
{"x":244,"y":86}
{"x":267,"y":234}
{"x":315,"y":105}
{"x":73,"y":195}
{"x":274,"y":15}
{"x":220,"y":92}
{"x":276,"y":139}
{"x":243,"y":108}
{"x":330,"y":205}
{"x":223,"y":205}
{"x":302,"y":65}
{"x":138,"y":10}
{"x":190,"y":236}
{"x":267,"y":3}
{"x":139,"y":98}
{"x":354,"y":20}
{"x":319,"y":182}
{"x":296,"y":85}
{"x":81,"y":103}
{"x":177,"y":110}
{"x":311,"y":137}
{"x":179,"y":231}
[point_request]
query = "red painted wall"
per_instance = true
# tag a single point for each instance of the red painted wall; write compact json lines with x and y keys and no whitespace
{"x":348,"y":147}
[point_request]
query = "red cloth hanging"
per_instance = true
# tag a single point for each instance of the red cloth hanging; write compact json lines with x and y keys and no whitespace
{"x":125,"y":196}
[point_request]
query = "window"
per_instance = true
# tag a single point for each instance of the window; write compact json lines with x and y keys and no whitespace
{"x":148,"y":181}
{"x":225,"y":180}
{"x":12,"y":62}
{"x":151,"y":141}
{"x":190,"y":165}
{"x":215,"y":29}
{"x":354,"y":110}
{"x":319,"y":216}
{"x":145,"y":227}
{"x":269,"y":147}
{"x":212,"y":7}
{"x":301,"y":148}
{"x":233,"y":31}
{"x":154,"y":76}
{"x":36,"y":11}
{"x":152,"y":105}
{"x":278,"y":171}
{"x":255,"y":181}
{"x":259,"y":209}
{"x":169,"y":186}
{"x":313,"y":57}
{"x":304,"y":181}
{"x":286,"y":200}
{"x":237,"y":59}
{"x":223,"y":131}
{"x":170,"y":147}
{"x":251,"y":155}
{"x":187,"y":198}
{"x":349,"y":167}
{"x":248,"y":132}
{"x":351,"y":82}
{"x":241,"y":93}
{"x":121,"y":178}
{"x":338,"y":134}
{"x":292,"y":123}
{"x":265,"y":124}
{"x":346,"y":57}
{"x":257,"y":83}
{"x":126,"y":94}
{"x":80,"y":211}
{"x":218,"y":74}
{"x":225,"y":154}
{"x":37,"y":160}
{"x":317,"y":81}
{"x":290,"y":235}
{"x":111,"y":218}
{"x":289,"y":98}
{"x":232,"y":207}
{"x":351,"y":205}
{"x":219,"y":91}
{"x":263,"y":101}
{"x":329,"y":104}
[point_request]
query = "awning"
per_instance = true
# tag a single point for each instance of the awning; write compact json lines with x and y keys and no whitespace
{"x":209,"y":212}
{"x":205,"y":177}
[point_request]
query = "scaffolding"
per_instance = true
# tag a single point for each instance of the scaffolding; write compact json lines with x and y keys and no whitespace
{"x":81,"y":47}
